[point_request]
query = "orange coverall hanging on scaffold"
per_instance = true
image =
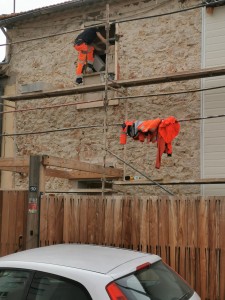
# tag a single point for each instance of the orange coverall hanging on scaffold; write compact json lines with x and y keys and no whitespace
{"x":84,"y":45}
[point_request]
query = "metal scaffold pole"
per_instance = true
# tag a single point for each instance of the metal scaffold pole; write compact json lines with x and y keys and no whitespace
{"x":106,"y":100}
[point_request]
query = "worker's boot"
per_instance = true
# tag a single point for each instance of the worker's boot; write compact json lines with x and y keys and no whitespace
{"x":79,"y":80}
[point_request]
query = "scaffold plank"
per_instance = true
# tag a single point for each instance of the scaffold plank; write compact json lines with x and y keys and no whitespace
{"x":126,"y":83}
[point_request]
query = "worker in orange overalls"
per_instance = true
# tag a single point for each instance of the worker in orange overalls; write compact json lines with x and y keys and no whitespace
{"x":84,"y":45}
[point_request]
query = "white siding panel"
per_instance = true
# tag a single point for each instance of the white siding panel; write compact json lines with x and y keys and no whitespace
{"x":215,"y":189}
{"x":213,"y":102}
{"x":214,"y":149}
{"x":218,"y":156}
{"x":211,"y":133}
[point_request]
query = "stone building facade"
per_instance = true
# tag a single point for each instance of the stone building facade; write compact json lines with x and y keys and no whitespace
{"x":42,"y":52}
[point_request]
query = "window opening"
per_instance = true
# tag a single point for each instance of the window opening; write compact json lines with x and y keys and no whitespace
{"x":99,"y":53}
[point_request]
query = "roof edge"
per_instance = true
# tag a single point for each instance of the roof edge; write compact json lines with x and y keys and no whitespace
{"x":46,"y":10}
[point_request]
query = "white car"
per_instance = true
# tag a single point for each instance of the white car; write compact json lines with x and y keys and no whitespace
{"x":85,"y":272}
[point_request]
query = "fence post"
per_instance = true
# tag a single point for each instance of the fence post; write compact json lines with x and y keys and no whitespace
{"x":35,"y":193}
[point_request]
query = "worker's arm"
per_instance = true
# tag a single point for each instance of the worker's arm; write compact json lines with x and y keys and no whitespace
{"x":101,"y":37}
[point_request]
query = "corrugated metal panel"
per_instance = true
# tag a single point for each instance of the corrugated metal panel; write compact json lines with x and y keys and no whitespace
{"x":214,"y":102}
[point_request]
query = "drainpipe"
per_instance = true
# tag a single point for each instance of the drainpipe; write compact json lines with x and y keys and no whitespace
{"x":8,"y":49}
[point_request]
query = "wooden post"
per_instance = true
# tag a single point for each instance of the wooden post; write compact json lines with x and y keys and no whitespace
{"x":35,"y":193}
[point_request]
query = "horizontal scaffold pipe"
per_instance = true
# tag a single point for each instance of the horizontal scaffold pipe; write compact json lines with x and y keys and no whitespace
{"x":126,"y":83}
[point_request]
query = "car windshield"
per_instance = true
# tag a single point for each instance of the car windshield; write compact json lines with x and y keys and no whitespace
{"x":158,"y":282}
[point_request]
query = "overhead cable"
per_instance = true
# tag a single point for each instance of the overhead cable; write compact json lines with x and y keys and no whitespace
{"x":98,"y":126}
{"x":161,"y":15}
{"x":57,"y":130}
{"x":201,"y":118}
{"x":167,"y":94}
{"x":140,"y":172}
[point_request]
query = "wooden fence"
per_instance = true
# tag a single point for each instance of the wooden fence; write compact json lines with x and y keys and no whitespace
{"x":188,"y":232}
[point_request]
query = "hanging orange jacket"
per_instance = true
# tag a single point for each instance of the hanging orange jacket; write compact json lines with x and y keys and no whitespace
{"x":162,"y":131}
{"x":167,"y":131}
{"x":140,"y":130}
{"x":124,"y":130}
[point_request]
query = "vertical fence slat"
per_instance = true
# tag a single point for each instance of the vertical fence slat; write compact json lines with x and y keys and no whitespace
{"x":163,"y":227}
{"x":153,"y":225}
{"x":135,"y":225}
{"x":100,"y":221}
{"x":126,"y":229}
{"x":91,"y":226}
{"x":5,"y":222}
{"x":191,"y":241}
{"x":21,"y":219}
{"x":12,"y":198}
{"x":173,"y":226}
{"x":144,"y":225}
{"x":76,"y":219}
{"x":182,"y":237}
{"x":83,"y":220}
{"x":203,"y":245}
{"x":59,"y":220}
{"x":222,"y":249}
{"x":51,"y":220}
{"x":43,"y":221}
{"x":118,"y":221}
{"x":66,"y":224}
{"x":109,"y":220}
{"x":211,"y":245}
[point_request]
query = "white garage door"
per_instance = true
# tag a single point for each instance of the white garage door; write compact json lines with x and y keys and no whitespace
{"x":213,"y":102}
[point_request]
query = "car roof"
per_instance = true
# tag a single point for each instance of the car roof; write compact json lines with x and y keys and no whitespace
{"x":93,"y":258}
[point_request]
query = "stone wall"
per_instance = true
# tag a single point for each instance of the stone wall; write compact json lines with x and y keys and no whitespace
{"x":147,"y":48}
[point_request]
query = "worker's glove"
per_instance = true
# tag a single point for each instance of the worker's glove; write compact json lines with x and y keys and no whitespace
{"x":112,"y":41}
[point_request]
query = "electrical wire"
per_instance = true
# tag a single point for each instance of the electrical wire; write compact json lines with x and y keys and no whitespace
{"x":56,"y":130}
{"x":97,"y":126}
{"x":168,"y":94}
{"x":160,"y":15}
{"x":140,"y":172}
{"x":202,"y":118}
{"x":143,"y":10}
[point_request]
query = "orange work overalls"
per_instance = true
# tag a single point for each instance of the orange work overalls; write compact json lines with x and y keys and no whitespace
{"x":85,"y":56}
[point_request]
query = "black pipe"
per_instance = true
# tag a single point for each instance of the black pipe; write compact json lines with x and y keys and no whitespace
{"x":214,"y":3}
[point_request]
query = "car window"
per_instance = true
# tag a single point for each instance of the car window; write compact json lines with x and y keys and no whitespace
{"x":13,"y":284}
{"x":50,"y":287}
{"x":158,"y":282}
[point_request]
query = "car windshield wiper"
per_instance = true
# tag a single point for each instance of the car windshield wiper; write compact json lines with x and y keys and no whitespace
{"x":132,"y":289}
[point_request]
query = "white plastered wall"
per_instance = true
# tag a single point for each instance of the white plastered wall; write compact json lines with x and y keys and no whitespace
{"x":213,"y":102}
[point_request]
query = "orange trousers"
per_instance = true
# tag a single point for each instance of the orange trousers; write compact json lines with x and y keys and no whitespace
{"x":85,"y":56}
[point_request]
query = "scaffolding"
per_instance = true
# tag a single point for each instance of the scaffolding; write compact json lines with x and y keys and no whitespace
{"x":120,"y":87}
